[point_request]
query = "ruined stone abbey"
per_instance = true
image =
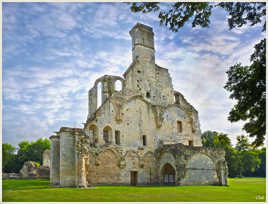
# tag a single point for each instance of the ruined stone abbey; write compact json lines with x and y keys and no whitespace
{"x":145,"y":133}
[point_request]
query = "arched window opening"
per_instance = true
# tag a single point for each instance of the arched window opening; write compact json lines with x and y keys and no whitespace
{"x":179,"y":126}
{"x":99,"y":94}
{"x":118,"y":85}
{"x":176,"y":99}
{"x":93,"y":133}
{"x":117,"y":137}
{"x":168,"y":174}
{"x":144,"y":140}
{"x":107,"y":134}
{"x":192,"y":125}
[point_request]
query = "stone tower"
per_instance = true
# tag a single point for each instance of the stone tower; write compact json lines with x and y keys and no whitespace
{"x":142,"y":43}
{"x":144,"y":76}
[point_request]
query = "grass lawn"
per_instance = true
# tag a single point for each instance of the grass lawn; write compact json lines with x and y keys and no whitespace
{"x":239,"y":189}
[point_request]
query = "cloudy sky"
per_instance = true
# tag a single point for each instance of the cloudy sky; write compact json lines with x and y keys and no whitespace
{"x":54,"y":52}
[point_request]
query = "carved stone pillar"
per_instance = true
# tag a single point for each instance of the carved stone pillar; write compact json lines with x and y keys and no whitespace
{"x":82,"y":174}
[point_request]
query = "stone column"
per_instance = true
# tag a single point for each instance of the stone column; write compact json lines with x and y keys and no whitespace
{"x":55,"y":160}
{"x":82,"y":181}
{"x":105,"y":89}
{"x":67,"y":157}
{"x":92,"y":101}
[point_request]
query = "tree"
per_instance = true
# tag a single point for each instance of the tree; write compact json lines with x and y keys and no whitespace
{"x":7,"y":153}
{"x":246,"y":84}
{"x":250,"y":161}
{"x":175,"y":15}
{"x":261,"y":171}
{"x":37,"y":148}
{"x":33,"y":151}
{"x":26,"y":152}
{"x":222,"y":141}
{"x":243,"y":160}
{"x":247,"y":157}
{"x":214,"y":139}
{"x":208,"y":138}
{"x":242,"y":143}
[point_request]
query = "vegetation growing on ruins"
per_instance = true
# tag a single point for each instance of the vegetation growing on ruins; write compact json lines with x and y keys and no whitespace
{"x":239,"y":189}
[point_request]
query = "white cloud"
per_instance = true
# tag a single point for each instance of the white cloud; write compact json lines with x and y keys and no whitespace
{"x":220,"y":44}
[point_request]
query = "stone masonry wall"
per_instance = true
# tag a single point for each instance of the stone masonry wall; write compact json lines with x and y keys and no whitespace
{"x":146,"y":133}
{"x":55,"y":159}
{"x":67,"y":157}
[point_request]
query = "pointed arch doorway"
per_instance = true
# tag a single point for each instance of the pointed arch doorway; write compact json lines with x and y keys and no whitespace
{"x":168,"y":174}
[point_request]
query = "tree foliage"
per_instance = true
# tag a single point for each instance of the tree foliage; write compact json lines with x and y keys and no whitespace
{"x":247,"y":85}
{"x":243,"y":159}
{"x":7,"y":153}
{"x":26,"y":152}
{"x":247,"y":157}
{"x":175,"y":15}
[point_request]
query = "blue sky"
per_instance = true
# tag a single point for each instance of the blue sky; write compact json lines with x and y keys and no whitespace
{"x":54,"y":52}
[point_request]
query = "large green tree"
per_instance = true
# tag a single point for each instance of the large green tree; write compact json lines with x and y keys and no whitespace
{"x":26,"y":152}
{"x":175,"y":15}
{"x":214,"y":139}
{"x":8,"y":151}
{"x":261,"y":171}
{"x":247,"y":156}
{"x":243,"y":159}
{"x":246,"y":83}
{"x":33,"y":151}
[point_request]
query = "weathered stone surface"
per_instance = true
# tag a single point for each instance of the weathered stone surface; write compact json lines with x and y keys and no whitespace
{"x":11,"y":176}
{"x":28,"y":170}
{"x":32,"y":170}
{"x":144,"y":134}
{"x":5,"y":176}
{"x":55,"y":159}
{"x":67,"y":156}
{"x":46,"y":158}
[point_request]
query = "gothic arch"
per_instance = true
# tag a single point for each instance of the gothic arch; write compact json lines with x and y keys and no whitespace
{"x":202,"y":157}
{"x":166,"y":157}
{"x":93,"y":133}
{"x":168,"y":174}
{"x":149,"y":168}
{"x":106,"y":167}
{"x":147,"y":153}
{"x":107,"y":134}
{"x":118,"y":85}
{"x":132,"y":159}
{"x":200,"y":170}
{"x":99,"y":87}
{"x":113,"y":150}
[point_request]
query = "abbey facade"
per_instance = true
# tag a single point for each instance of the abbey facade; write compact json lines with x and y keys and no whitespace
{"x":142,"y":133}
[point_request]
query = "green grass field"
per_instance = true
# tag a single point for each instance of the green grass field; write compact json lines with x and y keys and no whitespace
{"x":239,"y":189}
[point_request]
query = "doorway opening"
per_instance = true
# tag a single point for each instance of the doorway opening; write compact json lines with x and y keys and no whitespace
{"x":168,"y":174}
{"x":133,"y":178}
